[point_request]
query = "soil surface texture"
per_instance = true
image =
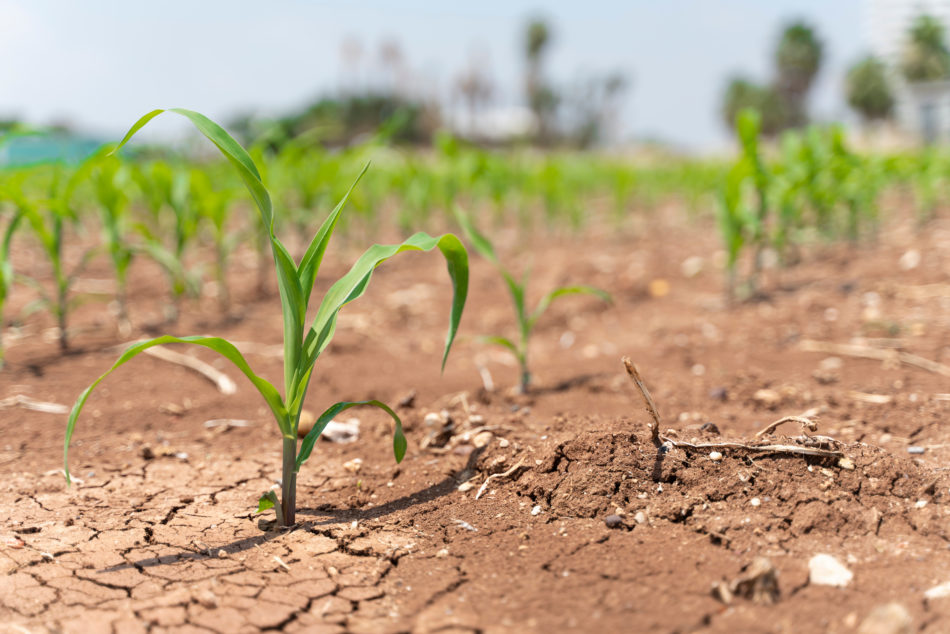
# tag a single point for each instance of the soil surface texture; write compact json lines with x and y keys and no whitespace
{"x":551,"y":511}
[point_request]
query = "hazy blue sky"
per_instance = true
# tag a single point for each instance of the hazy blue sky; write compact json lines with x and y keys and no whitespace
{"x":100,"y":64}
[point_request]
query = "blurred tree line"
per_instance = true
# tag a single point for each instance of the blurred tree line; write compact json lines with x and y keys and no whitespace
{"x":581,"y":114}
{"x":869,"y":83}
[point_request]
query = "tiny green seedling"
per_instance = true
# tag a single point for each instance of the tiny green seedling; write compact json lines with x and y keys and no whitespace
{"x":49,"y":219}
{"x":526,"y":321}
{"x":302,"y":346}
{"x":6,"y":271}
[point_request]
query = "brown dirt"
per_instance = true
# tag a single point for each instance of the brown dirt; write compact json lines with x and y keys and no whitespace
{"x":159,"y":533}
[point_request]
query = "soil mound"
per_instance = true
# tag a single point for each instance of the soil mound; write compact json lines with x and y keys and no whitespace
{"x":775,"y":495}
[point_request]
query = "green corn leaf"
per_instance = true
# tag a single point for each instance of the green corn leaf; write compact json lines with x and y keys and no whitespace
{"x":269,"y":501}
{"x":6,"y":267}
{"x":163,"y":257}
{"x":482,"y":244}
{"x":485,"y":248}
{"x":292,"y":304}
{"x":221,"y":346}
{"x":310,"y":264}
{"x":306,"y":447}
{"x":516,"y":291}
{"x":561,"y":292}
{"x":231,"y":150}
{"x":354,"y":283}
{"x":504,"y":342}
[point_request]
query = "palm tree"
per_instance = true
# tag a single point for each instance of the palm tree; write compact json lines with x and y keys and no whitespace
{"x":541,"y":97}
{"x":869,"y":90}
{"x":926,"y":57}
{"x":797,"y":61}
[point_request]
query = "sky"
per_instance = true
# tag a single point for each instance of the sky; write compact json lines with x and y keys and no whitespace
{"x":101,"y":64}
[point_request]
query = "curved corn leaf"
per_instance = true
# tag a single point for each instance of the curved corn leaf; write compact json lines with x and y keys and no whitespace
{"x":230,"y":148}
{"x":399,"y":438}
{"x":291,"y":296}
{"x":221,"y":346}
{"x":482,"y":244}
{"x":485,"y":248}
{"x":561,"y":292}
{"x":354,"y":283}
{"x":504,"y":342}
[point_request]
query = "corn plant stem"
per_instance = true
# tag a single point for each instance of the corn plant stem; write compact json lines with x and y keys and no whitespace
{"x":264,"y":262}
{"x":224,"y":296}
{"x":62,"y":306}
{"x":525,"y":379}
{"x":763,"y":211}
{"x":288,"y":497}
{"x":523,"y":361}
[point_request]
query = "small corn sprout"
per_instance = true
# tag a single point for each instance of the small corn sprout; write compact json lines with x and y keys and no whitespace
{"x":526,"y":321}
{"x":49,"y":219}
{"x":6,"y":271}
{"x":110,"y":178}
{"x":302,"y":346}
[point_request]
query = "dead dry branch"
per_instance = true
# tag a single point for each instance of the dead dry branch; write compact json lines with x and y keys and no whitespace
{"x":806,"y":445}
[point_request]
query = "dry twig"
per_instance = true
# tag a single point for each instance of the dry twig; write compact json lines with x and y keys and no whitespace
{"x":803,"y":450}
{"x":651,"y":406}
{"x":807,"y":425}
{"x":867,"y":352}
{"x":224,"y":383}
{"x":37,"y":406}
{"x":507,"y":473}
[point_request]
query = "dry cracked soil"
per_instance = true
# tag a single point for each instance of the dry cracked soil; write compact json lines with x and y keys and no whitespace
{"x":547,"y":512}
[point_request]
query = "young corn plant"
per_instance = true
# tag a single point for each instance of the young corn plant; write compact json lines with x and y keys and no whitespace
{"x":526,"y":320}
{"x":167,"y":188}
{"x":214,"y":207}
{"x":302,"y":345}
{"x":6,"y":268}
{"x":749,"y":125}
{"x":49,"y":220}
{"x":110,"y":179}
{"x":733,"y":214}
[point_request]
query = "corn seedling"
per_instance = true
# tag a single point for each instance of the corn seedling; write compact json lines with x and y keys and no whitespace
{"x":110,"y":179}
{"x":49,"y":220}
{"x":214,"y":206}
{"x":749,"y":126}
{"x":6,"y":269}
{"x":526,"y":320}
{"x":170,"y":190}
{"x":302,"y":346}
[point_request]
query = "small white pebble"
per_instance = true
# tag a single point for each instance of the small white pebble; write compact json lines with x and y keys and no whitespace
{"x":755,"y":502}
{"x":920,"y":504}
{"x":442,"y":554}
{"x":825,"y":570}
{"x":910,"y":260}
{"x":715,"y":456}
{"x":536,"y":510}
{"x":503,"y":443}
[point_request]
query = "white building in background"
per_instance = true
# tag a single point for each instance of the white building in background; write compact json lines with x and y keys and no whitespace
{"x":922,"y":109}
